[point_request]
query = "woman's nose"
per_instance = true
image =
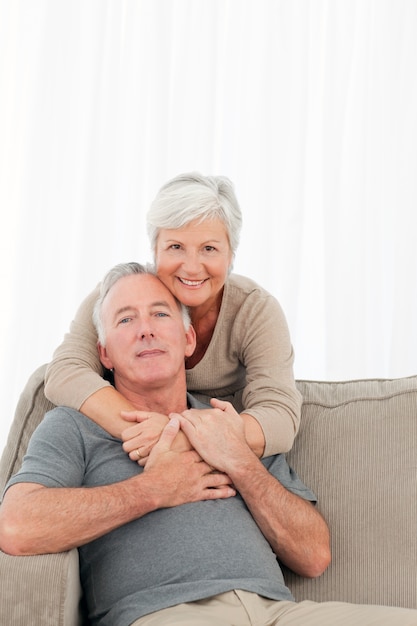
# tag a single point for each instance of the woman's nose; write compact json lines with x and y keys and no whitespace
{"x":191,"y":263}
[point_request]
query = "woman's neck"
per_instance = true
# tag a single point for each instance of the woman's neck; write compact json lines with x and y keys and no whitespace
{"x":205,"y":315}
{"x":204,"y":320}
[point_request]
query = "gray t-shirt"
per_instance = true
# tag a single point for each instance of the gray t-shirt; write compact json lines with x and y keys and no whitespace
{"x":166,"y":557}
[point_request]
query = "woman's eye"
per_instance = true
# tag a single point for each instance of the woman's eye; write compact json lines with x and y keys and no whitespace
{"x":209,"y":248}
{"x":175,"y":246}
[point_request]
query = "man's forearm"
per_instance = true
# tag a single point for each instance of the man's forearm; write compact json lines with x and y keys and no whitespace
{"x":294,"y":528}
{"x":64,"y":518}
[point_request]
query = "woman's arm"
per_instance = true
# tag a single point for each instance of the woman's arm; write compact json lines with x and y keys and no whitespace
{"x":249,"y":362}
{"x":104,"y":407}
{"x":270,"y":395}
{"x":270,"y":399}
{"x":74,"y":377}
{"x":254,"y":434}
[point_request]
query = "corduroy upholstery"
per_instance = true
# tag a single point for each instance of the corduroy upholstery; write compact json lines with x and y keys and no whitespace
{"x":357,"y":449}
{"x":40,"y":590}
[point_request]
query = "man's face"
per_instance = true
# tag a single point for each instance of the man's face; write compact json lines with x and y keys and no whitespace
{"x":146,"y":341}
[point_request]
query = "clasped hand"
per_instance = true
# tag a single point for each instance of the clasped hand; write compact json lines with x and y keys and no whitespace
{"x":215,"y":433}
{"x":140,"y":438}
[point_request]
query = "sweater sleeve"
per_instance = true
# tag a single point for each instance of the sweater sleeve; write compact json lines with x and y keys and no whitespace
{"x":249,"y":362}
{"x":75,"y":372}
{"x":270,"y":394}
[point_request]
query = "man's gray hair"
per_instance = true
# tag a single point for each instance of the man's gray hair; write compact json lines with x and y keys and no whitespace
{"x":190,"y":197}
{"x":111,"y":278}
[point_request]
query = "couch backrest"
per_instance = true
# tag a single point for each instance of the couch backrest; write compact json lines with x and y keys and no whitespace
{"x":30,"y":410}
{"x":357,"y":449}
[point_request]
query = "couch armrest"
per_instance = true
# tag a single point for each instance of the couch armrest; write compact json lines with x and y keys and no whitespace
{"x":41,"y":589}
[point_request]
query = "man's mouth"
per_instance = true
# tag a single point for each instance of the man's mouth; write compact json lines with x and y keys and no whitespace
{"x":149,"y":353}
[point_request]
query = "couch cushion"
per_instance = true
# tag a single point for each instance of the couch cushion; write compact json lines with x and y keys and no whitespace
{"x":357,"y":449}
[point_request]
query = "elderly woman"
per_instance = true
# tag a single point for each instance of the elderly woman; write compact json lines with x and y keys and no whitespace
{"x":243,"y":354}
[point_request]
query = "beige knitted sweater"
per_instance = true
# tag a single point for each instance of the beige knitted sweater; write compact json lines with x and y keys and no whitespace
{"x":249,"y":362}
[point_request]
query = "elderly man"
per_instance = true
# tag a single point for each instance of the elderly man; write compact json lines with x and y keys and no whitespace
{"x":174,"y":542}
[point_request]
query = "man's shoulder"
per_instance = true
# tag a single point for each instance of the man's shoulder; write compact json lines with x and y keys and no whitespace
{"x":65,"y":420}
{"x":64,"y":412}
{"x":193,"y":403}
{"x":278,"y":466}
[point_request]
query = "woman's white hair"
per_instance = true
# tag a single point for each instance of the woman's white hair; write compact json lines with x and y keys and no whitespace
{"x":190,"y":197}
{"x":115,"y":274}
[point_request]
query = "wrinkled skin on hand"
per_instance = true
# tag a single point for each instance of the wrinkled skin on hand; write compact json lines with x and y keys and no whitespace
{"x":140,"y":438}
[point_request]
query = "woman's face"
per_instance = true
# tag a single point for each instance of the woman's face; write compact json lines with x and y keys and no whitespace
{"x":194,"y":261}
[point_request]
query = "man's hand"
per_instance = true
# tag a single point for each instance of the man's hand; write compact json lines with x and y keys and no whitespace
{"x":180,"y":477}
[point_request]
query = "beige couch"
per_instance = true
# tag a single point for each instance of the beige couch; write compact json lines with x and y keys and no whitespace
{"x":357,"y":449}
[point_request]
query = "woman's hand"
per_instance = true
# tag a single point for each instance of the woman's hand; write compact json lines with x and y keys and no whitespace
{"x":140,"y":438}
{"x":217,"y":433}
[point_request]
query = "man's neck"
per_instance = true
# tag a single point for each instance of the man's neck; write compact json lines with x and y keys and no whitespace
{"x":158,"y":404}
{"x":159,"y":400}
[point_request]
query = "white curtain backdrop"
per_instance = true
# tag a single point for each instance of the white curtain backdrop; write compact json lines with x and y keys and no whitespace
{"x":309,"y":106}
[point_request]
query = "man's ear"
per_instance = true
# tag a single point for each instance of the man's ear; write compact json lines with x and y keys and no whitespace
{"x":102,"y":353}
{"x":191,"y":341}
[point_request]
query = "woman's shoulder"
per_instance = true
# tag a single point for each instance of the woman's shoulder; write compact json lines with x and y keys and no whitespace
{"x":245,"y":297}
{"x":238,"y":284}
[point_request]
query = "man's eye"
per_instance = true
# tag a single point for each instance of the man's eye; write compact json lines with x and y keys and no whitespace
{"x":161,"y":314}
{"x":125,"y":320}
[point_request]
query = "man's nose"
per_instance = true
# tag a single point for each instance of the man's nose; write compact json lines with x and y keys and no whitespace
{"x":146,"y":329}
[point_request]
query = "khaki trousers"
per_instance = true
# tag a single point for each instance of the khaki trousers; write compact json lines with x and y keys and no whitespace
{"x":242,"y":608}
